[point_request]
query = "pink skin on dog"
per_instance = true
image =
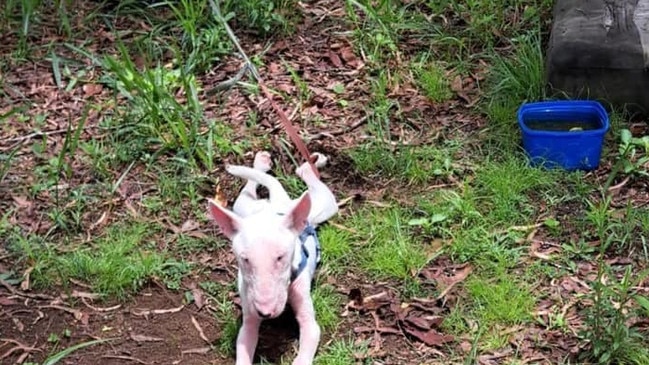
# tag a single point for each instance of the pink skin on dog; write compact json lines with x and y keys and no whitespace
{"x":265,"y":239}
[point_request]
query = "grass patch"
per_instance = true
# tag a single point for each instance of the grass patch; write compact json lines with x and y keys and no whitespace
{"x":116,"y":264}
{"x":336,"y":248}
{"x":326,"y":303}
{"x":414,"y":165}
{"x":500,"y":299}
{"x":506,"y":186}
{"x":432,"y":78}
{"x":386,"y":248}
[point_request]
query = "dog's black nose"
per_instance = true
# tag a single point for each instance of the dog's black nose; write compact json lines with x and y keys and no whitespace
{"x":262,"y":314}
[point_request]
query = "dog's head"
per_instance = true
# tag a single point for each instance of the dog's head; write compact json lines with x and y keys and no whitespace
{"x":265,"y":245}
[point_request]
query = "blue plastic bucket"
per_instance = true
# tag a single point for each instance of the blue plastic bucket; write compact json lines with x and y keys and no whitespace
{"x":567,"y":134}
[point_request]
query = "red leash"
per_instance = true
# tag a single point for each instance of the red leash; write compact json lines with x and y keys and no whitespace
{"x":292,"y":133}
{"x":288,"y":126}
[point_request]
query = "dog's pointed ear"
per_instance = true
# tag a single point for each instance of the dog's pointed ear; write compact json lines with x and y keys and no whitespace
{"x":297,"y":218}
{"x":228,"y":222}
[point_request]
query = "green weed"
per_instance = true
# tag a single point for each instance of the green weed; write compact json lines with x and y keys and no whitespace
{"x":376,"y":27}
{"x":225,"y":315}
{"x":158,"y":122}
{"x":204,"y":41}
{"x":263,"y":16}
{"x":611,"y":340}
{"x":633,"y":157}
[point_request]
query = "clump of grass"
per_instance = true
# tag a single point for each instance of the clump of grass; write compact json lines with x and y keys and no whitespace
{"x":204,"y":40}
{"x":506,"y":187}
{"x":157,"y":122}
{"x":377,"y":27}
{"x":500,"y":299}
{"x":388,"y":251}
{"x":433,"y":80}
{"x":225,"y":315}
{"x":513,"y":80}
{"x":519,"y":77}
{"x":340,"y":352}
{"x":114,"y":265}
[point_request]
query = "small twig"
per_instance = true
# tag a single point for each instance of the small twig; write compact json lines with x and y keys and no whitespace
{"x":200,"y":330}
{"x":128,"y":358}
{"x":339,"y":132}
{"x":77,"y":314}
{"x":229,"y":83}
{"x":19,"y":293}
{"x":621,"y":184}
{"x":200,"y":350}
{"x":99,"y":309}
{"x":19,"y":346}
{"x":377,"y":333}
{"x":157,"y":311}
{"x":22,"y":139}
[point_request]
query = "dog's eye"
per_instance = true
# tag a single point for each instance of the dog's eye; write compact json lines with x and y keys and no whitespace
{"x":280,"y":258}
{"x":245,"y":260}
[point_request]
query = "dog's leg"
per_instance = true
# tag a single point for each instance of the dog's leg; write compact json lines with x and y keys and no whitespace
{"x":323,"y":201}
{"x":245,"y":205}
{"x":249,"y":331}
{"x":302,"y":304}
{"x":247,"y":339}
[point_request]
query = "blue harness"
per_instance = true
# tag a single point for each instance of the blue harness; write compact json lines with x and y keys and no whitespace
{"x":309,"y":231}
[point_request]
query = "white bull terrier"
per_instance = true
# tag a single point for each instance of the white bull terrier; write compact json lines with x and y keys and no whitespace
{"x":277,"y":251}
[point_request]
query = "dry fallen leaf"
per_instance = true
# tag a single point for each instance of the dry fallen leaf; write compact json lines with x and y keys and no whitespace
{"x":456,"y":85}
{"x":219,"y":197}
{"x":335,"y":59}
{"x":22,"y":202}
{"x":92,"y":89}
{"x":189,"y":225}
{"x":430,"y":337}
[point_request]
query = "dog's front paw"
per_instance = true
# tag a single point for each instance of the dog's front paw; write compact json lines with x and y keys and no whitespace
{"x":262,"y":161}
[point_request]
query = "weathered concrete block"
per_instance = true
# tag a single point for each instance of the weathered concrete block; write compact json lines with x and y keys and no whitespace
{"x":599,"y":49}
